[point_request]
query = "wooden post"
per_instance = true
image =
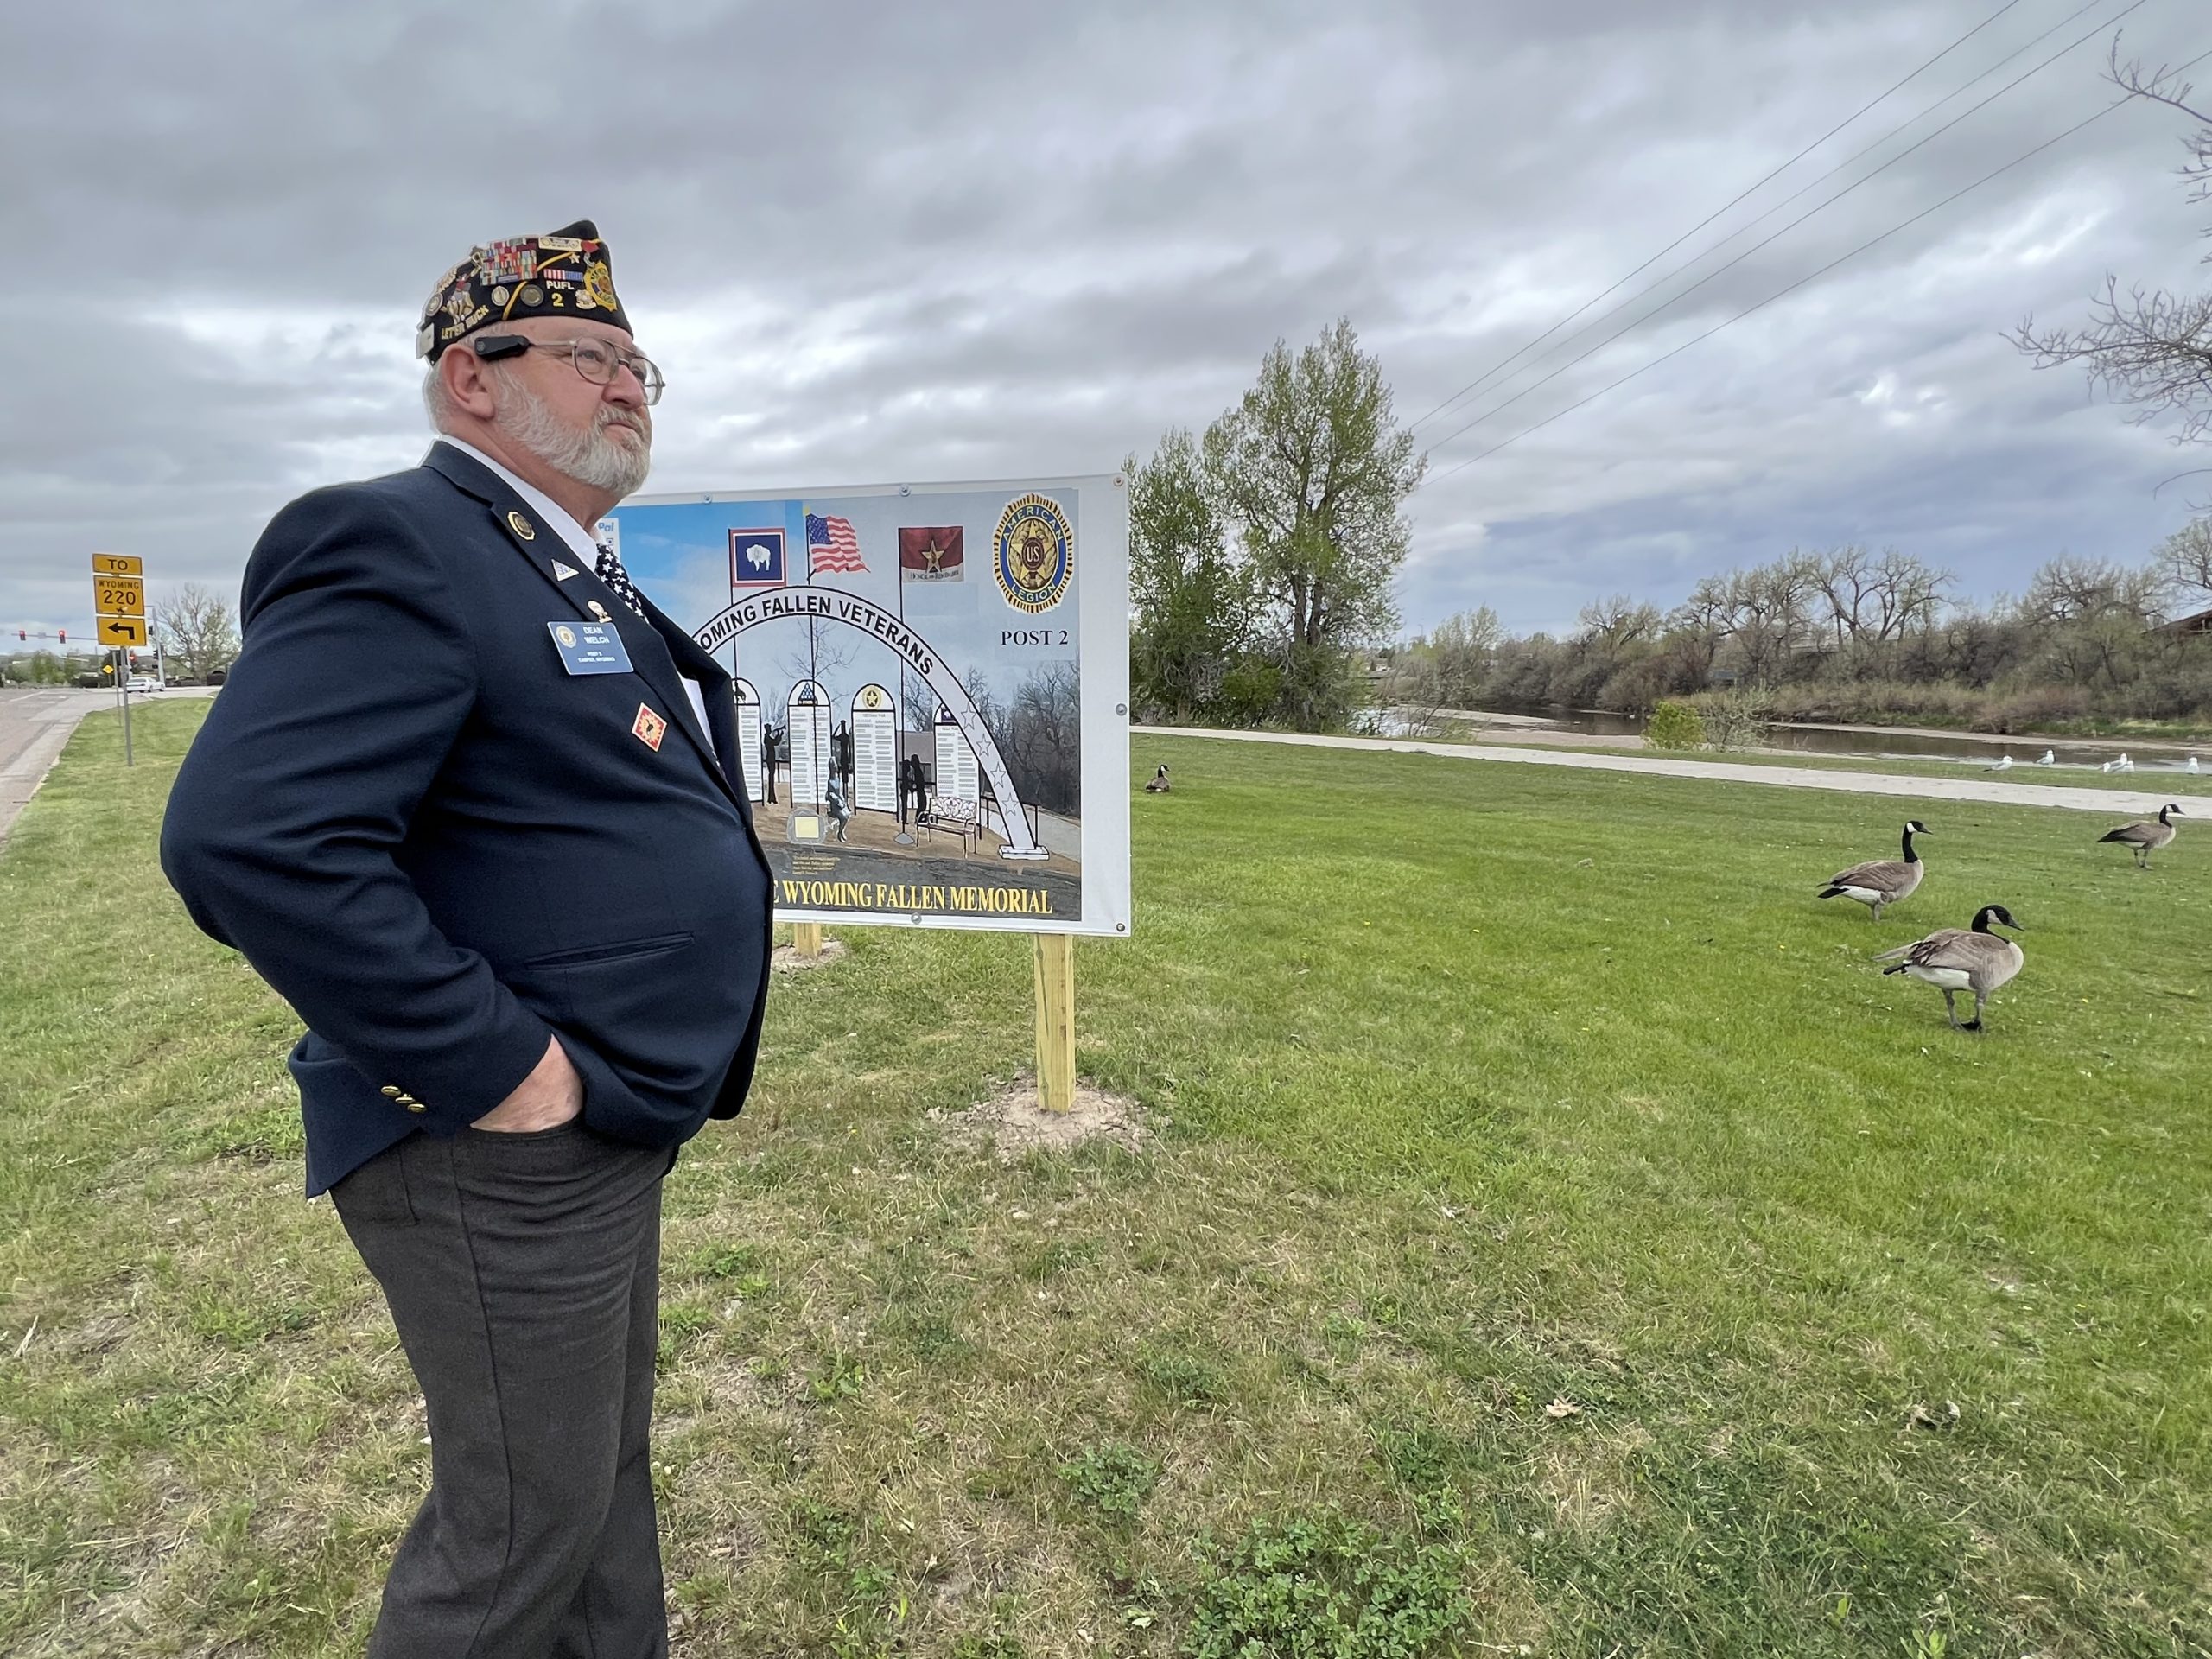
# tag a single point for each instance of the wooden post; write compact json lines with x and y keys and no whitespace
{"x":1055,"y":1020}
{"x":806,"y":939}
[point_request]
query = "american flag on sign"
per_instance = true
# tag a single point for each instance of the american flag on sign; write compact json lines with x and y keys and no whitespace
{"x":831,"y":545}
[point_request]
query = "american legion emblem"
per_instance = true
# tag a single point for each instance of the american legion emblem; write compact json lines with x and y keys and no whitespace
{"x":1033,"y":553}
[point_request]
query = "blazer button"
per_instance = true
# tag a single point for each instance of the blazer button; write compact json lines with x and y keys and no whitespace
{"x":392,"y":1092}
{"x":416,"y":1106}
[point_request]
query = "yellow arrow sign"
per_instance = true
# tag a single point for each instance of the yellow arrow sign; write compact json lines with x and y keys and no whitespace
{"x":118,"y":564}
{"x":118,"y":596}
{"x":122,"y":631}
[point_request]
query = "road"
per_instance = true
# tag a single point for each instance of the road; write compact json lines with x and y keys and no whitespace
{"x":35,"y":722}
{"x":2112,"y":803}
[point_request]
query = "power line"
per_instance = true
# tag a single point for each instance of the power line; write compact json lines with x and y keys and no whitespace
{"x":1764,"y":242}
{"x":1783,"y":293}
{"x":1725,"y":205}
{"x":1753,"y":224}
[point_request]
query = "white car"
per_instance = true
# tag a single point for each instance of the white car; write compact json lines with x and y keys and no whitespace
{"x":144,"y":682}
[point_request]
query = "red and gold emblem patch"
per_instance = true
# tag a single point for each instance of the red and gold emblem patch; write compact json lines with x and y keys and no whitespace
{"x":648,"y":728}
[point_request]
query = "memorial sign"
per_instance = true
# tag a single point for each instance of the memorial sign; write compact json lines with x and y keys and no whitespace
{"x":955,"y":656}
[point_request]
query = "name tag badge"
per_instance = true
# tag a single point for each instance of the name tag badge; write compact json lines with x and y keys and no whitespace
{"x":589,"y":647}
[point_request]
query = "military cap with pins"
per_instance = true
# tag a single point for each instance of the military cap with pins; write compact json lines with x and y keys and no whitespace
{"x":566,"y":273}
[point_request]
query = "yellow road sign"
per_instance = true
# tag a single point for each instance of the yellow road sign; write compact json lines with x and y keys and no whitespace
{"x":118,"y":564}
{"x":122,"y":631}
{"x":118,"y":596}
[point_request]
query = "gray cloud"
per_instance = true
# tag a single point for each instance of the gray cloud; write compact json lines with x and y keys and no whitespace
{"x":994,"y":237}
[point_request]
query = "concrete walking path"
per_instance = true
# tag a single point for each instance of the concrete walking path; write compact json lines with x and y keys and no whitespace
{"x":2112,"y":803}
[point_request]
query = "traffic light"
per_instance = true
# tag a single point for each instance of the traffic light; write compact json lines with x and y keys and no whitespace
{"x":134,"y":660}
{"x":65,"y":636}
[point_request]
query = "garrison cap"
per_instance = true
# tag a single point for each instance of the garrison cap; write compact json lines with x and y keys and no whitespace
{"x":564,"y":274}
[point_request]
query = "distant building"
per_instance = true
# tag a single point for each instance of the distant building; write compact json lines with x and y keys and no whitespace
{"x":2199,"y":623}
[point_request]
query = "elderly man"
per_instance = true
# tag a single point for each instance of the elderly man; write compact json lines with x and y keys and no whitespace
{"x":472,"y":804}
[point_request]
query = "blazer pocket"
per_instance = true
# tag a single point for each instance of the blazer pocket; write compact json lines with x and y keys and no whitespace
{"x":594,"y":955}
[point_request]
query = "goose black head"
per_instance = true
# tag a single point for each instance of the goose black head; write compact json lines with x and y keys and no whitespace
{"x":1997,"y":914}
{"x":2169,"y":810}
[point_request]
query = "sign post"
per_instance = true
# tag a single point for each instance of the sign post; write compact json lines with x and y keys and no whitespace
{"x":1055,"y":1020}
{"x":119,"y":621}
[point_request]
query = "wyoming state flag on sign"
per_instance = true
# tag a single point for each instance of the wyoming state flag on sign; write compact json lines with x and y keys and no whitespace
{"x":929,"y":553}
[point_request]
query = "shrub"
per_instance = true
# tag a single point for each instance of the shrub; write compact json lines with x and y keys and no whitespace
{"x":1736,"y":720}
{"x":1675,"y":725}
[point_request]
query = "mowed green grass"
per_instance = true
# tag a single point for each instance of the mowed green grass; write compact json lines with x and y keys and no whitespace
{"x":1539,"y":1173}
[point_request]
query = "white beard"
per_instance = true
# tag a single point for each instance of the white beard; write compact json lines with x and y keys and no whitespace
{"x":592,"y":457}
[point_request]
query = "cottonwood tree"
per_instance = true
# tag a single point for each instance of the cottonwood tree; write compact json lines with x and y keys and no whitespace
{"x":1188,"y":596}
{"x":2186,"y":558}
{"x":2149,"y":348}
{"x":1309,"y":471}
{"x":1697,"y":629}
{"x":1771,"y":615}
{"x":197,"y":631}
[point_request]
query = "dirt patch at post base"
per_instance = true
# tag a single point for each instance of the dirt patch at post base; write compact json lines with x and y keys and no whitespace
{"x":785,"y":956}
{"x":1012,"y":1122}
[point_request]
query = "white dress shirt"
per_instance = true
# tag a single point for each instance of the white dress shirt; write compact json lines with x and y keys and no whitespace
{"x":581,"y":542}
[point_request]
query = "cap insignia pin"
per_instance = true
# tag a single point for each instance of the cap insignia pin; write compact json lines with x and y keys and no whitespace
{"x":522,"y":527}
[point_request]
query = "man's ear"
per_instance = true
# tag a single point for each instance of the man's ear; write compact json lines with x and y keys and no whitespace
{"x":468,"y":381}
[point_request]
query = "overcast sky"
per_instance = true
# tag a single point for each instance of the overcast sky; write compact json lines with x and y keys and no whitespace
{"x":990,"y":237}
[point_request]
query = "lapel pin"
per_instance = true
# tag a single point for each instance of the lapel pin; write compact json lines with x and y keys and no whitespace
{"x":648,"y":728}
{"x":598,"y":611}
{"x":563,"y":572}
{"x":522,"y":527}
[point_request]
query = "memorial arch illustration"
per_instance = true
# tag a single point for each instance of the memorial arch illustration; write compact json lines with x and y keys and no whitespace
{"x":1017,"y":840}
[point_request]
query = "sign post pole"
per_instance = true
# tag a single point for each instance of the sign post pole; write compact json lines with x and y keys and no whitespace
{"x":123,"y":687}
{"x":806,"y":939}
{"x":1055,"y":1020}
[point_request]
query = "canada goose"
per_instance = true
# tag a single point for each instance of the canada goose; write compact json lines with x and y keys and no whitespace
{"x":2145,"y":838}
{"x":1158,"y":783}
{"x":2049,"y":760}
{"x":1955,"y":959}
{"x":1883,"y":880}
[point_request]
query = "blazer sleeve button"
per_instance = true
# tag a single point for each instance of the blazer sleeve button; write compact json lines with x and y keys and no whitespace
{"x":391,"y":1091}
{"x":416,"y":1106}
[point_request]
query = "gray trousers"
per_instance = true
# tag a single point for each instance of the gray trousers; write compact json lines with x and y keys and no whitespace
{"x":522,"y":1272}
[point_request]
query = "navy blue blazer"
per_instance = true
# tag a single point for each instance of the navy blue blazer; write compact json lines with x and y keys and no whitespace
{"x":442,"y":849}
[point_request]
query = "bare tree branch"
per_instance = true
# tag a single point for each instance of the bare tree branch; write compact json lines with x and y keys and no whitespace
{"x":2160,"y":85}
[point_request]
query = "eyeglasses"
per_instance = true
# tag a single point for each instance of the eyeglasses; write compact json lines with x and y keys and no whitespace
{"x":595,"y":359}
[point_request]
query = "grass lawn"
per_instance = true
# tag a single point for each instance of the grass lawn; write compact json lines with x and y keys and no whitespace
{"x":1557,"y":1238}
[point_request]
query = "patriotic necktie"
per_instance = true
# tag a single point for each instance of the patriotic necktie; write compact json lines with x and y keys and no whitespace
{"x":612,"y":573}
